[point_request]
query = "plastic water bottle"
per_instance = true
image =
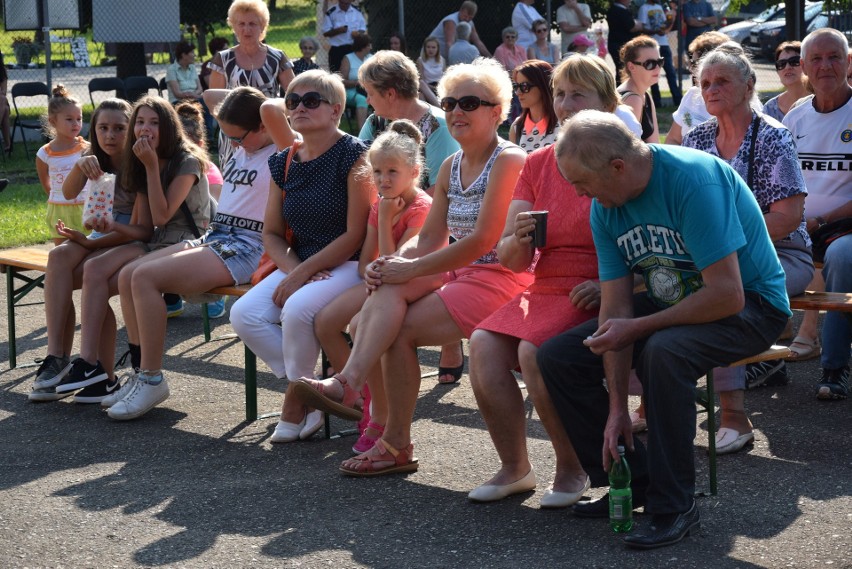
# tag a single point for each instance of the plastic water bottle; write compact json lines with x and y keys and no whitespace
{"x":620,"y":495}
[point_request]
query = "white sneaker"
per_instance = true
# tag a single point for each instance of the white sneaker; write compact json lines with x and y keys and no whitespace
{"x":142,"y":398}
{"x":128,"y":381}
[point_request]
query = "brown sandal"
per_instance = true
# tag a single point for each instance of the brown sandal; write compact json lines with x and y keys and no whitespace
{"x":312,"y":393}
{"x":363,"y":464}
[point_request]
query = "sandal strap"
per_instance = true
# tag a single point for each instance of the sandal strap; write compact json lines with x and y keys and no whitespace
{"x":376,"y":427}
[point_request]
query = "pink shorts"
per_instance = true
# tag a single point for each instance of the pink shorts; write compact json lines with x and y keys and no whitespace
{"x":473,"y":293}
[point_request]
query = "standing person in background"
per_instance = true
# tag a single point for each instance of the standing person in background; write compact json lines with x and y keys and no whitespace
{"x":309,"y":46}
{"x":542,"y":48}
{"x":337,"y":26}
{"x":622,"y":28}
{"x":656,"y":20}
{"x":572,"y":18}
{"x":699,"y":17}
{"x":182,"y":78}
{"x":55,"y":160}
{"x":4,"y":110}
{"x":251,"y":62}
{"x":642,"y":62}
{"x":447,"y":33}
{"x":462,"y":51}
{"x":431,"y":66}
{"x":524,"y":17}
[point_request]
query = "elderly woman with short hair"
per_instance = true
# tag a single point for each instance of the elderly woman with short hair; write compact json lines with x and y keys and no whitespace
{"x":763,"y":153}
{"x":429,"y":293}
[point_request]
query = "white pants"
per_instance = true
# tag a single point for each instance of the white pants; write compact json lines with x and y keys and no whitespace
{"x":291,"y":349}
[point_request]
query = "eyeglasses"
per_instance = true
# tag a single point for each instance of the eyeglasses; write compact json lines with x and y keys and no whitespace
{"x":541,"y":30}
{"x":794,"y":61}
{"x":650,"y":64}
{"x":311,"y":100}
{"x":239,"y":139}
{"x":509,"y":37}
{"x":522,"y":87}
{"x":467,"y":103}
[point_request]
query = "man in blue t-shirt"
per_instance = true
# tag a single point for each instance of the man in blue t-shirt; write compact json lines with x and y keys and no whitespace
{"x":687,"y":224}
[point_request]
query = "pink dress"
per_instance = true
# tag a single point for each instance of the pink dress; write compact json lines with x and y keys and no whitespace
{"x":544,"y":309}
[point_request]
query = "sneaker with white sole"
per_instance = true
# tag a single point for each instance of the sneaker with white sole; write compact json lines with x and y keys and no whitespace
{"x":47,"y":394}
{"x":96,"y":392}
{"x":126,"y":383}
{"x":82,"y":374}
{"x":768,"y":373}
{"x":143,"y":397}
{"x":51,"y":371}
{"x":217,"y":309}
{"x":176,"y":309}
{"x":834,"y":384}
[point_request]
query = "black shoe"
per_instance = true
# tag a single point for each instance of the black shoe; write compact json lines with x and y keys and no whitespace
{"x":769,"y":373}
{"x":3,"y":183}
{"x":96,"y":392}
{"x":665,"y":529}
{"x":600,"y":508}
{"x":82,"y":375}
{"x":834,"y":384}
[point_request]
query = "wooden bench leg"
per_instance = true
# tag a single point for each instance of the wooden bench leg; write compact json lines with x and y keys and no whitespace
{"x":10,"y":316}
{"x":251,"y":383}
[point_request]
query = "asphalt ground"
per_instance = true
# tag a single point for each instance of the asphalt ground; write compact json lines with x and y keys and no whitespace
{"x":191,"y":484}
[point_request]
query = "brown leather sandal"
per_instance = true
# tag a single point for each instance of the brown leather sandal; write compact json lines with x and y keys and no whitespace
{"x":364,"y":464}
{"x":312,"y":393}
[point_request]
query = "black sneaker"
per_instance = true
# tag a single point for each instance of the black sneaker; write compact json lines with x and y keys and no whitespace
{"x":834,"y":384}
{"x":96,"y":392}
{"x":82,"y":375}
{"x":51,"y":371}
{"x":770,"y":373}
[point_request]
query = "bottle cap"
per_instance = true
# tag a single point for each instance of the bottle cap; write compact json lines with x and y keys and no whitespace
{"x":620,"y":449}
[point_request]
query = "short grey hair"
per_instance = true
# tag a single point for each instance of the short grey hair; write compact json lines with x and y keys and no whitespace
{"x":838,"y":36}
{"x":729,"y":54}
{"x":593,"y":139}
{"x":463,"y":31}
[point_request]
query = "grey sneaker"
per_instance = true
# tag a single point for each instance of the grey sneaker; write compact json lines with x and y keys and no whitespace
{"x":834,"y":384}
{"x":47,"y":394}
{"x":127,"y":381}
{"x":143,"y":397}
{"x":51,"y":371}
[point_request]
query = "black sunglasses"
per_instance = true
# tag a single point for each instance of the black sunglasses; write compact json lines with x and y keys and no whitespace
{"x":541,"y":30}
{"x":650,"y":64}
{"x":794,"y":61}
{"x":239,"y":139}
{"x":522,"y":87}
{"x":311,"y":100}
{"x":467,"y":103}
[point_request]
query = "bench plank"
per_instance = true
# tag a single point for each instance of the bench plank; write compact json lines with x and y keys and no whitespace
{"x":837,"y":301}
{"x":25,"y":258}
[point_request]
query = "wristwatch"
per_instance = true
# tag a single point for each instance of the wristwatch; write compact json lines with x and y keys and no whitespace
{"x":820,"y":221}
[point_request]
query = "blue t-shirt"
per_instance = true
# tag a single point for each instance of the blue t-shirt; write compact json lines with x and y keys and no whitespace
{"x":695,"y":211}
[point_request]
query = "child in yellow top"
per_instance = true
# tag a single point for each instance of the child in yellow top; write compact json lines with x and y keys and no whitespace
{"x":55,"y":160}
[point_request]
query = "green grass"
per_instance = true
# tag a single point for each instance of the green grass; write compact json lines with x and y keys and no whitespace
{"x":23,"y":208}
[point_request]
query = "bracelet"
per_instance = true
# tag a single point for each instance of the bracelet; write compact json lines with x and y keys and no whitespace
{"x":820,"y":221}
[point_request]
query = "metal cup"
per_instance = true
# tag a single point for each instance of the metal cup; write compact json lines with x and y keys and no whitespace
{"x":540,"y":233}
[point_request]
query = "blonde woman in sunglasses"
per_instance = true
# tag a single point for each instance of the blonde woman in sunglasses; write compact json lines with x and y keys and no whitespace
{"x":642,"y":66}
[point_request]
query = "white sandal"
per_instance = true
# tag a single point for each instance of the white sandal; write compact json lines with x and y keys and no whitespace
{"x":804,"y":349}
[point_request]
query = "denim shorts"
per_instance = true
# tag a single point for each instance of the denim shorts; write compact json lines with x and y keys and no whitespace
{"x":239,"y":249}
{"x":123,"y":218}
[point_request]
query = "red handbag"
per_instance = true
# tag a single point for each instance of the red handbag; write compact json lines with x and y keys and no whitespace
{"x":266,"y":266}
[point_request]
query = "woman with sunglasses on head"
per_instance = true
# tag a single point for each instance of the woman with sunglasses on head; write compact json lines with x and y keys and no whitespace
{"x":536,"y":127}
{"x":542,"y":48}
{"x":763,"y":153}
{"x":430,"y":293}
{"x":788,"y":65}
{"x":642,"y":63}
{"x":313,"y":228}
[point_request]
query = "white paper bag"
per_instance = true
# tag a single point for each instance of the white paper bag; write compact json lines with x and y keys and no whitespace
{"x":99,"y":200}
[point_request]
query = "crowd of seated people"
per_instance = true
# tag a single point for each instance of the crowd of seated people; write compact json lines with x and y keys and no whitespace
{"x":418,"y":232}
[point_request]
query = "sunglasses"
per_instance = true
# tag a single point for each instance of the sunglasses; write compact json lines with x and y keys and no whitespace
{"x":650,"y":64}
{"x":794,"y":61}
{"x":467,"y":103}
{"x":239,"y":139}
{"x":541,"y":30}
{"x":509,"y":37}
{"x":522,"y":87}
{"x":311,"y":100}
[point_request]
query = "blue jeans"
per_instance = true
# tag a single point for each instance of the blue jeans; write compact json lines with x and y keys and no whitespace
{"x":837,"y":329}
{"x":668,"y":363}
{"x":671,"y":77}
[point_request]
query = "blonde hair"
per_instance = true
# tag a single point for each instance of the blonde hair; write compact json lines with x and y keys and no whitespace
{"x":391,"y":70}
{"x":402,"y":138}
{"x":329,"y":85}
{"x":588,"y":72}
{"x":60,"y":99}
{"x":485,"y":72}
{"x":438,"y":57}
{"x":256,"y":7}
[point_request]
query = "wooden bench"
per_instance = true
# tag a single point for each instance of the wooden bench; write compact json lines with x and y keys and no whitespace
{"x":835,"y":301}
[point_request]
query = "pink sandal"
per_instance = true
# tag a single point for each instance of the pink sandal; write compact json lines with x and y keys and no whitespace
{"x":312,"y":393}
{"x":364,"y":464}
{"x":365,"y":442}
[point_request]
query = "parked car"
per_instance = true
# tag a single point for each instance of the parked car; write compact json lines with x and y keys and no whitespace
{"x":769,"y":35}
{"x":741,"y":31}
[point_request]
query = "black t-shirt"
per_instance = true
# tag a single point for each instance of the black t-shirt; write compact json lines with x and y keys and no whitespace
{"x":620,"y":22}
